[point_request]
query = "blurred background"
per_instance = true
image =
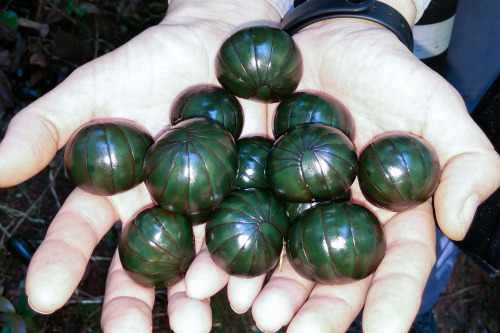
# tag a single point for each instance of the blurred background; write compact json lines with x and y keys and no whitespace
{"x":41,"y":43}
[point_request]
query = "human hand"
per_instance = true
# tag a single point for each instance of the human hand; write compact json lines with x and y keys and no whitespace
{"x":386,"y":88}
{"x":138,"y":81}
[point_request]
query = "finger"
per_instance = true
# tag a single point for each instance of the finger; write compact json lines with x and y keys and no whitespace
{"x":280,"y":299}
{"x":466,"y":181}
{"x":59,"y":263}
{"x":36,"y":133}
{"x":242,"y":292}
{"x":204,"y":278}
{"x":396,"y":289}
{"x":188,"y":314}
{"x":345,"y":301}
{"x":127,"y":305}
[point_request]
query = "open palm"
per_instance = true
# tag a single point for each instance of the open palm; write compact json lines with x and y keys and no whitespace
{"x":386,"y":88}
{"x":138,"y":81}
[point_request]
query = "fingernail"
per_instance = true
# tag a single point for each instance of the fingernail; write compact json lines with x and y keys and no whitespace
{"x":35,"y":309}
{"x":236,"y":310}
{"x":468,"y":211}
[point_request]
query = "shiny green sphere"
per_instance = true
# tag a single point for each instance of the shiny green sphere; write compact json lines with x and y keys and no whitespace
{"x":311,"y":162}
{"x":312,"y":107}
{"x":398,"y":171}
{"x":335,"y":243}
{"x":260,"y":63}
{"x":253,"y":152}
{"x":209,"y":101}
{"x":105,"y":156}
{"x":192,"y":166}
{"x":157,"y":247}
{"x":245,"y":233}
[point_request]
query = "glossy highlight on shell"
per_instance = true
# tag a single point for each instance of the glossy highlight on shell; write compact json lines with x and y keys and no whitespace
{"x":157,"y":247}
{"x":245,"y":233}
{"x":312,"y":107}
{"x":252,"y":152}
{"x":192,"y":166}
{"x":105,"y":156}
{"x":204,"y":100}
{"x":311,"y":162}
{"x":335,"y":243}
{"x":398,"y":171}
{"x":260,"y":63}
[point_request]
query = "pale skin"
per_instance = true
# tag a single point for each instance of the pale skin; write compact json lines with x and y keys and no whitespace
{"x":362,"y":64}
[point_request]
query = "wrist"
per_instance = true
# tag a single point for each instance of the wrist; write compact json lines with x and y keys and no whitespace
{"x":407,"y":8}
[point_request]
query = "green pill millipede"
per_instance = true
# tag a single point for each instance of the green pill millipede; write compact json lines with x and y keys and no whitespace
{"x":312,"y":107}
{"x":245,"y":233}
{"x":252,"y":152}
{"x":204,"y":100}
{"x":311,"y":162}
{"x":192,"y":166}
{"x":157,"y":247}
{"x":260,"y":63}
{"x":335,"y":243}
{"x":398,"y":171}
{"x":106,"y":156}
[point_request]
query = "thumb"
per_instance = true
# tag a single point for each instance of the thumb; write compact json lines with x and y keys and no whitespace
{"x":36,"y":133}
{"x":466,"y":181}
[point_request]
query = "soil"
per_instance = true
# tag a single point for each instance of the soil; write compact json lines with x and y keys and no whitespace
{"x":38,"y":51}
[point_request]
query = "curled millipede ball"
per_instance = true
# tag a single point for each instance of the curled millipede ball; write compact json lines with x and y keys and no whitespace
{"x":311,"y":162}
{"x":260,"y":63}
{"x":398,"y":171}
{"x":336,"y":242}
{"x":312,"y":107}
{"x":106,"y":156}
{"x":157,"y":247}
{"x":245,"y":233}
{"x":204,"y":100}
{"x":191,"y":167}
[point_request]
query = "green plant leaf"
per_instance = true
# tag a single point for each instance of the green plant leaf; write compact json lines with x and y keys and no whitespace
{"x":10,"y":18}
{"x":17,"y":324}
{"x":6,"y":306}
{"x":6,"y":328}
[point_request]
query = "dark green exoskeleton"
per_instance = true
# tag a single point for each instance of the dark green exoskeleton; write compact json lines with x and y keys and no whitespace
{"x":192,"y":167}
{"x":245,"y":233}
{"x":398,"y":171}
{"x":294,"y":209}
{"x":106,"y":156}
{"x":209,"y":101}
{"x":312,"y":107}
{"x":157,"y":247}
{"x":334,"y":243}
{"x":311,"y":162}
{"x":260,"y":63}
{"x":252,"y":152}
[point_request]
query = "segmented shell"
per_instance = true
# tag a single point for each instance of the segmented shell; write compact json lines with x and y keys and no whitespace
{"x":245,"y":234}
{"x":311,"y":162}
{"x":261,"y":63}
{"x":192,"y":166}
{"x":212,"y":102}
{"x":106,"y":156}
{"x":157,"y":247}
{"x":398,"y":171}
{"x":336,"y":243}
{"x":252,"y":152}
{"x":294,"y":209}
{"x":312,"y":107}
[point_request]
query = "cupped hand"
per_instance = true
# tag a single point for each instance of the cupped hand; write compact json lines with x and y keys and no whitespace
{"x":138,"y":81}
{"x":386,"y":88}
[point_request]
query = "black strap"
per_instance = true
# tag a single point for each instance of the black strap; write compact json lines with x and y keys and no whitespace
{"x":318,"y":10}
